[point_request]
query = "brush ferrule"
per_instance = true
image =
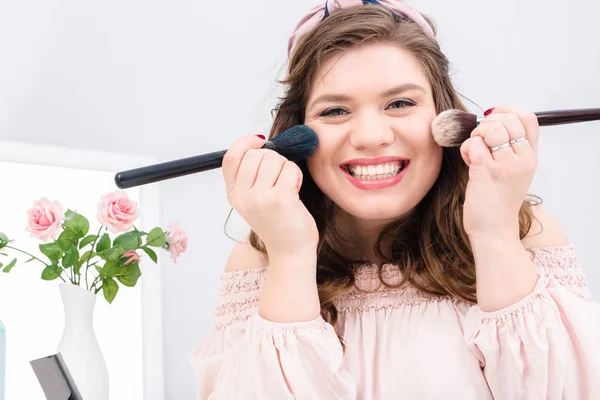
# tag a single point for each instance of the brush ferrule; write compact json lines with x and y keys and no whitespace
{"x":269,"y":145}
{"x":479,"y":119}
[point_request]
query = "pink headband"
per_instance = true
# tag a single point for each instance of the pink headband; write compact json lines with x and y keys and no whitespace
{"x":316,"y":15}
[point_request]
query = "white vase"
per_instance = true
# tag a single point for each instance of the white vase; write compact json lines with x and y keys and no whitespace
{"x":79,"y":346}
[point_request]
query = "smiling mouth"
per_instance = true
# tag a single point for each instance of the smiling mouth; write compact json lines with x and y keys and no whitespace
{"x":376,"y":172}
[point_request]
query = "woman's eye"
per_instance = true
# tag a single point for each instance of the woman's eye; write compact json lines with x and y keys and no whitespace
{"x":401,"y":104}
{"x":332,"y":112}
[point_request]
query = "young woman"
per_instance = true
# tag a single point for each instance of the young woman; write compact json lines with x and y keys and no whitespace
{"x":386,"y":266}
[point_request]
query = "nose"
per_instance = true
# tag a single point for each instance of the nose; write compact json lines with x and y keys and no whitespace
{"x":370,"y":131}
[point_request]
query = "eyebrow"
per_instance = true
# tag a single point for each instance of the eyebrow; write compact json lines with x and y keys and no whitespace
{"x":331,"y":97}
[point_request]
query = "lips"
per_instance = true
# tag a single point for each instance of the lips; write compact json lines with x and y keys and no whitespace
{"x":373,"y":184}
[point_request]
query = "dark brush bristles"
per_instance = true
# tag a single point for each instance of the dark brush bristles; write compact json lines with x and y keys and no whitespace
{"x":452,"y":127}
{"x":296,"y":143}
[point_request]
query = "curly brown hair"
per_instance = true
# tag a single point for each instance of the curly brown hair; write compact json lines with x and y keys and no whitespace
{"x":431,"y":247}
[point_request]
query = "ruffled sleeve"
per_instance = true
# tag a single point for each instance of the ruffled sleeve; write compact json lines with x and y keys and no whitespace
{"x":547,"y":345}
{"x":245,"y":356}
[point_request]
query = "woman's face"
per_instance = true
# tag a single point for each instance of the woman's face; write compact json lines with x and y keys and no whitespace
{"x":372,"y":109}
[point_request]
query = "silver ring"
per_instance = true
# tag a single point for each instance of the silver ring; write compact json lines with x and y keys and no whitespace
{"x":493,"y":149}
{"x":517,"y":140}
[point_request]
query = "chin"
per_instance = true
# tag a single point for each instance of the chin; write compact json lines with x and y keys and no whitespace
{"x":376,"y":209}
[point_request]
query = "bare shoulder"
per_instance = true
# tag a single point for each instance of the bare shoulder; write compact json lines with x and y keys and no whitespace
{"x":545,"y":230}
{"x":244,"y":256}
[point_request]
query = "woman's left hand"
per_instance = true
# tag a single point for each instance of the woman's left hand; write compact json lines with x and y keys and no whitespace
{"x":499,"y":180}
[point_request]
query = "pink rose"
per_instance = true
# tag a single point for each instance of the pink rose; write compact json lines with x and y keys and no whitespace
{"x":44,"y":219}
{"x":117,"y":211}
{"x":176,"y":241}
{"x":135,"y":257}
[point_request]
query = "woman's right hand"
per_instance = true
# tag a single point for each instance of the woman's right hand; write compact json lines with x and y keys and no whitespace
{"x":263,"y":187}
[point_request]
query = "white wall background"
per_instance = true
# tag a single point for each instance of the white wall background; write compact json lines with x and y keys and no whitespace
{"x":173,"y":79}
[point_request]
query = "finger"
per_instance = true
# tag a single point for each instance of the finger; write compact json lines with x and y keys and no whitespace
{"x":495,"y":134}
{"x":529,"y":121}
{"x":249,"y":167}
{"x":511,"y":122}
{"x":290,"y":177}
{"x":233,"y":158}
{"x":515,"y":128}
{"x":464,"y":151}
{"x":269,"y":170}
{"x":479,"y":152}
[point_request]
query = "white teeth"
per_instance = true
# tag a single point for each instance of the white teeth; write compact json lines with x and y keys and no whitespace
{"x":380,"y":171}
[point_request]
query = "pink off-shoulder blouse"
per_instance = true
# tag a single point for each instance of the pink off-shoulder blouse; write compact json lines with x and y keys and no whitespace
{"x":404,"y":344}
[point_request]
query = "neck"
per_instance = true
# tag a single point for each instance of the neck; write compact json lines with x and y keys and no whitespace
{"x":362,"y":235}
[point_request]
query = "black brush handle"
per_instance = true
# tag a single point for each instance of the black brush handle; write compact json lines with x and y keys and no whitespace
{"x":174,"y":169}
{"x":557,"y":117}
{"x":170,"y":169}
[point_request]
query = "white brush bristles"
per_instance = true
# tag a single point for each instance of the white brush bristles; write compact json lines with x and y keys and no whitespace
{"x":452,"y":127}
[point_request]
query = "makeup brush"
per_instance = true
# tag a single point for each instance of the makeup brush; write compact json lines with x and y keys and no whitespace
{"x":296,"y":143}
{"x":452,"y":127}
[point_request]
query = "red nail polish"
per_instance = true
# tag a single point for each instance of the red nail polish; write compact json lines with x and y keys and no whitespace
{"x":261,"y":136}
{"x":488,"y":112}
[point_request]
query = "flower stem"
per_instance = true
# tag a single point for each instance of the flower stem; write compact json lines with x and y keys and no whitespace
{"x":88,"y":260}
{"x":94,"y":283}
{"x":34,"y":257}
{"x":14,"y":248}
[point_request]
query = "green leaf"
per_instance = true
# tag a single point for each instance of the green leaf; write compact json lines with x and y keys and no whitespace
{"x":77,"y":223}
{"x":9,"y":266}
{"x":112,"y":254}
{"x":67,"y":260}
{"x":75,"y":259}
{"x":109,"y":289}
{"x":150,"y":253}
{"x":71,"y":259}
{"x":116,"y":255}
{"x":87,"y":240}
{"x":51,"y":272}
{"x":30,"y":260}
{"x":156,"y":238}
{"x":52,"y":251}
{"x":136,"y":230}
{"x":109,"y":270}
{"x":129,"y":274}
{"x":69,"y":214}
{"x":68,"y":238}
{"x":3,"y":237}
{"x":103,"y":244}
{"x":128,"y":241}
{"x":139,"y":236}
{"x":88,"y":255}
